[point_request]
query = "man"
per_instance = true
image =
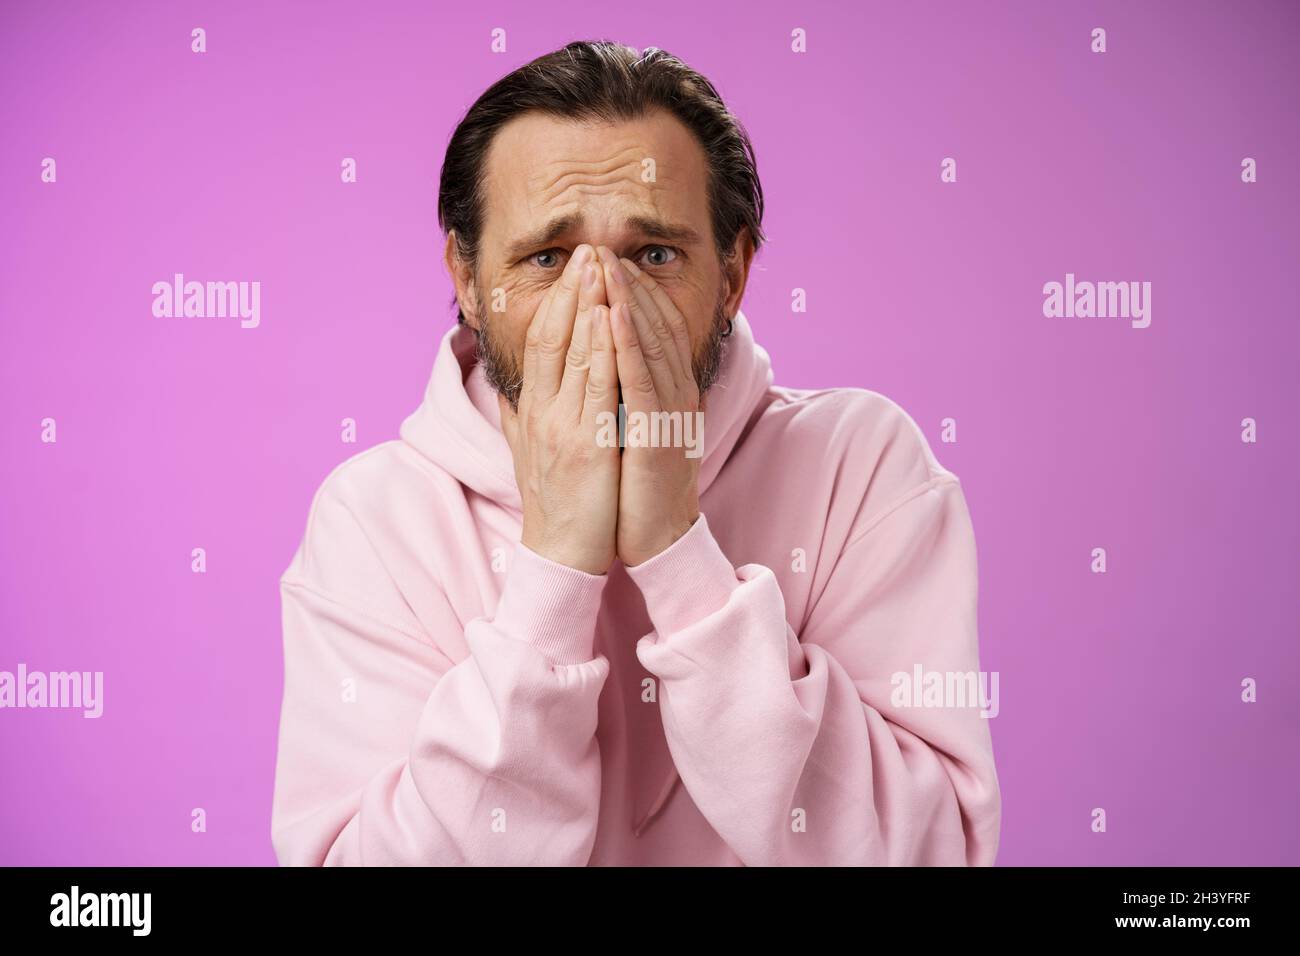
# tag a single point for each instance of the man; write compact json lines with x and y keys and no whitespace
{"x":510,"y":639}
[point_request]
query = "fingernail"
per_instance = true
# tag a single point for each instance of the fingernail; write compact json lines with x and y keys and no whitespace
{"x":619,"y":273}
{"x":589,"y":276}
{"x":582,"y":255}
{"x":630,"y":266}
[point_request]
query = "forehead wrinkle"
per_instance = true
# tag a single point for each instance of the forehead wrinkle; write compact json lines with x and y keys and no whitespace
{"x":527,"y":185}
{"x":557,"y":176}
{"x":644,"y":199}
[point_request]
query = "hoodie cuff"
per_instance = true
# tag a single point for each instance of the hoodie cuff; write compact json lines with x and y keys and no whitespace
{"x":687,"y":581}
{"x":551,"y":606}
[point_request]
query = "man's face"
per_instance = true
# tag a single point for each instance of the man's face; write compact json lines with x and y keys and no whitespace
{"x":639,"y":187}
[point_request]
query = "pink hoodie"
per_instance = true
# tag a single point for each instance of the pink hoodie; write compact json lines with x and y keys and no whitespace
{"x":451,"y":697}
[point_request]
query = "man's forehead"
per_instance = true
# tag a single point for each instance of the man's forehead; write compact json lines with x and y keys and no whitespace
{"x":543,"y":168}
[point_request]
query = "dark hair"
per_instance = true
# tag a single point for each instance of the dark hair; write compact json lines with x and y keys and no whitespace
{"x":608,"y":81}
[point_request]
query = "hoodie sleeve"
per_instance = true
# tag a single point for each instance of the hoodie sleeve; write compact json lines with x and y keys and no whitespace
{"x":391,"y":754}
{"x":792,"y":746}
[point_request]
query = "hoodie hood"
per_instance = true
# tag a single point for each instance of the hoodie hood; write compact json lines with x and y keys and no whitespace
{"x":458,"y":424}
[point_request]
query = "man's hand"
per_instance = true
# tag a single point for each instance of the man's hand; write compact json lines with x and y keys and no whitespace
{"x":568,"y":483}
{"x":658,"y":498}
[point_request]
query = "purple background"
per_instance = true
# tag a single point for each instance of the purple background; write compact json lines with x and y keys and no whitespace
{"x":1118,"y":691}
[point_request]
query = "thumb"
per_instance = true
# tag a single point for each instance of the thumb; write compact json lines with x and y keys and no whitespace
{"x":509,"y":423}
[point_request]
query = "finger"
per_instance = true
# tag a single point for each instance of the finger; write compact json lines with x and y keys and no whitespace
{"x":602,"y":380}
{"x":530,"y":355}
{"x":549,"y":338}
{"x":654,"y":350}
{"x":633,"y":373}
{"x":573,"y":387}
{"x":591,"y":293}
{"x":676,"y":321}
{"x":648,"y":318}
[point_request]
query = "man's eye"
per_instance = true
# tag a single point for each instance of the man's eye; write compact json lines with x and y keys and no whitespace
{"x":547,"y":259}
{"x":659,"y":255}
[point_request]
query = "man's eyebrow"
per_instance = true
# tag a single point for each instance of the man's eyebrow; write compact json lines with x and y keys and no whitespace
{"x":647,"y":226}
{"x":543,"y":236}
{"x":653,"y":228}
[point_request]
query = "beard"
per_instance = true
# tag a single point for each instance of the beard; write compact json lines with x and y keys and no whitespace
{"x":503,"y":371}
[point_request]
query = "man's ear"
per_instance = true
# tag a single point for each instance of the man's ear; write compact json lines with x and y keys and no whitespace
{"x":462,"y":276}
{"x":735,"y":269}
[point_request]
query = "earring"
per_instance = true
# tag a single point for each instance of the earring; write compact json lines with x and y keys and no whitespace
{"x":730,"y":327}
